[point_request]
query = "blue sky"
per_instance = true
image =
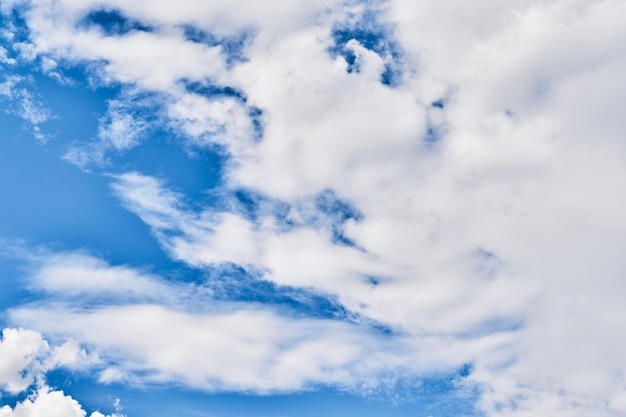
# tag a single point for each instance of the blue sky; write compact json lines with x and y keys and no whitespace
{"x":369,"y":208}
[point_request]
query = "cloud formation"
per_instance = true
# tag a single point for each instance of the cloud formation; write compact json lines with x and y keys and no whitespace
{"x":25,"y":357}
{"x":208,"y":343}
{"x":481,"y":185}
{"x":49,"y":403}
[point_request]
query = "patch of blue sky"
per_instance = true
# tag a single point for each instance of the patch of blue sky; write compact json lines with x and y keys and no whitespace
{"x":495,"y":325}
{"x":75,"y":108}
{"x":375,"y":280}
{"x":256,"y":115}
{"x":12,"y":291}
{"x":440,"y":103}
{"x":232,"y":46}
{"x":194,"y":173}
{"x":12,"y":20}
{"x":487,"y":263}
{"x":252,"y":205}
{"x":233,"y":283}
{"x":113,"y":23}
{"x":373,"y":34}
{"x":434,"y":396}
{"x":213,"y":91}
{"x":432,"y":135}
{"x":333,"y":213}
{"x":329,"y":203}
{"x":325,"y":210}
{"x":79,"y":112}
{"x":49,"y":202}
{"x":7,"y":398}
{"x":46,"y":200}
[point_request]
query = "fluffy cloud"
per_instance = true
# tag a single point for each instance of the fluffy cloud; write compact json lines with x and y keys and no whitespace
{"x":20,"y":354}
{"x":45,"y":402}
{"x":25,"y":357}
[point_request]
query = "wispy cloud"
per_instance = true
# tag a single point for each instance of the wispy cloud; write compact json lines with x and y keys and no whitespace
{"x":175,"y":332}
{"x":122,"y":128}
{"x":24,"y":104}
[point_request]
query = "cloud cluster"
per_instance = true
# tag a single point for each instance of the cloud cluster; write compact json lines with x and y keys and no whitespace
{"x":20,"y":350}
{"x":49,"y":404}
{"x":25,"y":357}
{"x":45,"y":402}
{"x":488,"y":181}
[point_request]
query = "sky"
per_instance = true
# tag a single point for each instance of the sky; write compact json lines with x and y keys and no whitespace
{"x":294,"y":208}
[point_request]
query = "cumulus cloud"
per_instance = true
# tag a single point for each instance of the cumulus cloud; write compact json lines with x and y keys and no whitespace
{"x":25,"y":357}
{"x":21,"y":352}
{"x":489,"y":183}
{"x":49,"y":403}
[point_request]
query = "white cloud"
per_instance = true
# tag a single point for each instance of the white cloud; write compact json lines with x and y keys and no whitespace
{"x":250,"y":349}
{"x":23,"y":104}
{"x":25,"y":357}
{"x":45,"y":402}
{"x":20,"y":355}
{"x":7,"y":88}
{"x":120,"y":129}
{"x":81,"y":275}
{"x":123,"y":127}
{"x":4,"y":58}
{"x":202,"y":342}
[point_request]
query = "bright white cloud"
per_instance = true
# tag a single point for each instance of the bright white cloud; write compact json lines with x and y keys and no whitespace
{"x":78,"y":274}
{"x":20,"y":355}
{"x":25,"y":357}
{"x":45,"y":402}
